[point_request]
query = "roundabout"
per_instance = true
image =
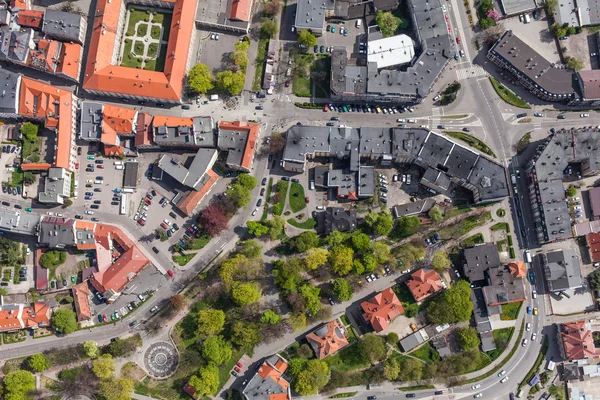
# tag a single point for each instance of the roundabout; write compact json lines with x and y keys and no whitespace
{"x":161,"y":359}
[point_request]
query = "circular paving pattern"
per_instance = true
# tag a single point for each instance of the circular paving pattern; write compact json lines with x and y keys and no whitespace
{"x":161,"y":359}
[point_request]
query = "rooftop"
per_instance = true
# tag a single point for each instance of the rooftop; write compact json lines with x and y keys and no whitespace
{"x":130,"y":177}
{"x":56,"y":232}
{"x":478,"y":259}
{"x":19,"y":222}
{"x":339,"y":219}
{"x":590,"y":81}
{"x":505,"y":284}
{"x":511,"y":7}
{"x":594,"y":195}
{"x":381,"y":309}
{"x":413,"y":208}
{"x":577,"y":341}
{"x":310,"y":14}
{"x":394,"y":50}
{"x":239,"y":139}
{"x":10,"y":83}
{"x":328,"y":339}
{"x":593,"y":242}
{"x":64,"y":25}
{"x":424,"y":283}
{"x":268,"y":383}
{"x":562,"y":270}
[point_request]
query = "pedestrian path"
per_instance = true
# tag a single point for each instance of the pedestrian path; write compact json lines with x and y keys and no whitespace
{"x":474,"y":71}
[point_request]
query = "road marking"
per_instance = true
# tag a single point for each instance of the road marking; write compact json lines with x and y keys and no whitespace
{"x":471,"y":72}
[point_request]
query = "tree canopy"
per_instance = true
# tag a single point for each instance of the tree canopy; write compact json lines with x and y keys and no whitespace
{"x":440,"y":261}
{"x":104,"y":366}
{"x":436,"y":213}
{"x":116,"y":389}
{"x":210,"y":321}
{"x":305,"y":241}
{"x":312,"y":377}
{"x":372,"y":347}
{"x":247,"y":181}
{"x":269,"y":27}
{"x":467,"y":338}
{"x":340,"y":258}
{"x":231,"y":82}
{"x":38,"y":362}
{"x":199,"y":79}
{"x":406,"y":226}
{"x":206,"y":382}
{"x":214,"y":219}
{"x":454,"y":305}
{"x":380,"y":223}
{"x":310,"y":293}
{"x":29,"y":131}
{"x":571,"y":191}
{"x":387,"y":22}
{"x":315,"y":258}
{"x":90,"y":348}
{"x":216,"y":350}
{"x":342,"y":289}
{"x":245,"y":293}
{"x":245,"y":334}
{"x":361,"y":243}
{"x":270,"y":317}
{"x":257,"y":229}
{"x":64,"y":321}
{"x":306,"y":38}
{"x":17,"y":384}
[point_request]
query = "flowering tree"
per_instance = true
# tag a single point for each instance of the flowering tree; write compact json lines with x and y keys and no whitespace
{"x":494,"y":14}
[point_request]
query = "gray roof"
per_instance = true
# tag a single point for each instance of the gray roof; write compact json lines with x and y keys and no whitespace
{"x":174,"y":167}
{"x":339,"y":219}
{"x":413,"y":208}
{"x":262,"y":389}
{"x":84,"y":236}
{"x":302,"y":140}
{"x":566,"y":12}
{"x":10,"y":83}
{"x":503,"y":287}
{"x":15,"y":45}
{"x":57,"y":232}
{"x":562,"y":270}
{"x":64,"y":25}
{"x":190,"y":176}
{"x":407,"y":143}
{"x":57,"y":186}
{"x":200,"y":133}
{"x":375,"y":141}
{"x":320,"y":175}
{"x":366,"y":182}
{"x":310,"y":14}
{"x":480,"y":311}
{"x":487,"y":341}
{"x":344,"y":181}
{"x":478,"y":259}
{"x":590,"y":12}
{"x":511,"y":7}
{"x":411,"y":341}
{"x":130,"y":177}
{"x":15,"y":221}
{"x":90,"y":120}
{"x":346,"y":78}
{"x":441,"y":345}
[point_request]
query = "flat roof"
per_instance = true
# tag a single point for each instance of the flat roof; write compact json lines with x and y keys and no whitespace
{"x":64,"y":25}
{"x":511,"y":7}
{"x":310,"y":14}
{"x":224,"y":14}
{"x":15,"y":221}
{"x":130,"y":177}
{"x":394,"y":50}
{"x":10,"y":83}
{"x":90,"y":120}
{"x":478,"y":259}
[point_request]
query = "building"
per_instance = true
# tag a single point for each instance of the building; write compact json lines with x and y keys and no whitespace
{"x":396,"y":78}
{"x":381,"y":309}
{"x":310,"y":15}
{"x":446,"y":164}
{"x":56,"y":232}
{"x":424,"y":283}
{"x":593,"y":245}
{"x":576,"y":341}
{"x":229,"y":16}
{"x":130,"y":177}
{"x":81,"y":299}
{"x":104,"y":75}
{"x":57,"y":187}
{"x":9,"y":97}
{"x":478,"y":259}
{"x":170,"y":133}
{"x":487,"y":341}
{"x":441,"y":345}
{"x":514,"y":7}
{"x":594,"y":196}
{"x":562,"y":270}
{"x":505,"y":284}
{"x":577,"y":13}
{"x":18,"y":222}
{"x":239,"y":139}
{"x":14,"y":317}
{"x":414,"y":340}
{"x":64,"y":26}
{"x":269,"y":383}
{"x":339,"y":219}
{"x":328,"y":339}
{"x":412,"y":209}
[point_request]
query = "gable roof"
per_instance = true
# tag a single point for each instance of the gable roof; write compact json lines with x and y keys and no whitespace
{"x":577,"y":340}
{"x":423,"y":283}
{"x":328,"y":339}
{"x":381,"y":309}
{"x":30,"y":18}
{"x":240,"y":10}
{"x":190,"y":202}
{"x":81,"y":300}
{"x":20,"y":316}
{"x":517,"y":269}
{"x":268,"y":383}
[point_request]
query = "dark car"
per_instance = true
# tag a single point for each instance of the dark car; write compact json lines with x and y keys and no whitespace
{"x":18,"y":189}
{"x":89,"y":193}
{"x":561,"y":116}
{"x":114,"y":203}
{"x":78,"y":217}
{"x":411,"y":395}
{"x":100,"y":178}
{"x":64,"y":282}
{"x":511,"y":396}
{"x":330,"y":124}
{"x":264,"y":181}
{"x":176,"y":227}
{"x":154,"y":249}
{"x":97,"y":201}
{"x":521,"y":115}
{"x":384,"y":190}
{"x":18,"y":206}
{"x":89,"y":170}
{"x":153,"y":192}
{"x":371,"y":397}
{"x":5,"y":203}
{"x":285,"y":178}
{"x":185,"y":107}
{"x":441,"y":127}
{"x":99,"y":161}
{"x":172,"y":214}
{"x":259,"y":202}
{"x":259,"y":108}
{"x":96,"y":219}
{"x":437,"y":392}
{"x":262,"y":191}
{"x":97,"y":189}
{"x":466,"y":129}
{"x":296,"y":180}
{"x":95,"y":206}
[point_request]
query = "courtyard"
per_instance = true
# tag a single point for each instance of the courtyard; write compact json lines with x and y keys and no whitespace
{"x":145,"y":42}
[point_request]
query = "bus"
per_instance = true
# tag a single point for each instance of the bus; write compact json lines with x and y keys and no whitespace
{"x":123,"y":205}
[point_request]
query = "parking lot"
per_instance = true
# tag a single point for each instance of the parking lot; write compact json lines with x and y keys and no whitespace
{"x":581,"y":46}
{"x":337,"y":38}
{"x":215,"y":53}
{"x":537,"y":35}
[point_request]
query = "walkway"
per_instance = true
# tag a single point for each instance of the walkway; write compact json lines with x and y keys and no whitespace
{"x":146,"y":40}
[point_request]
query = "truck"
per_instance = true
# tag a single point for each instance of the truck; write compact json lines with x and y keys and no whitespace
{"x":214,"y":97}
{"x":528,"y":256}
{"x":127,"y":190}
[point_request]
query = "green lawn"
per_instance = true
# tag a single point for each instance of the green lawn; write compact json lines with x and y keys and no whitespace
{"x":281,"y":190}
{"x":142,"y":30}
{"x":411,"y":308}
{"x":501,"y":338}
{"x":183,"y":259}
{"x":159,"y":63}
{"x":310,"y":223}
{"x":301,"y":86}
{"x":155,"y":32}
{"x":464,"y":226}
{"x":297,"y":198}
{"x":200,"y":242}
{"x":136,"y":16}
{"x":473,"y":240}
{"x":507,"y":95}
{"x":348,"y":359}
{"x":501,"y":226}
{"x":17,"y":177}
{"x":510,"y":311}
{"x":152,"y":49}
{"x":129,"y":60}
{"x":472,"y":141}
{"x":426,"y":353}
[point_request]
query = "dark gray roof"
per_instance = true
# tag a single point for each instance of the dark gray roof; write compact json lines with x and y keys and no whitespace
{"x":366,"y":182}
{"x":411,"y":341}
{"x":262,"y":389}
{"x":320,"y":176}
{"x":310,"y":14}
{"x":9,"y":83}
{"x":478,"y":259}
{"x":414,"y":208}
{"x":234,"y":141}
{"x":503,"y":287}
{"x":90,"y":121}
{"x":57,"y":232}
{"x":57,"y":185}
{"x":562,"y":270}
{"x":487,"y":341}
{"x":346,"y":78}
{"x":480,"y":311}
{"x":375,"y":141}
{"x":344,"y":181}
{"x":441,"y":345}
{"x":64,"y":25}
{"x":339,"y":219}
{"x":436,"y":179}
{"x":407,"y":143}
{"x":131,"y":174}
{"x":14,"y":45}
{"x":15,"y":221}
{"x":200,"y":133}
{"x":511,"y":7}
{"x":302,"y":140}
{"x":488,"y":180}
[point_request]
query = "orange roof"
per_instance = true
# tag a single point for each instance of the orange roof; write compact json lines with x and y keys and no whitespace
{"x":70,"y":60}
{"x":164,"y":120}
{"x":328,"y":339}
{"x":577,"y":340}
{"x":82,"y":304}
{"x":79,"y":224}
{"x":45,"y":56}
{"x":143,"y":135}
{"x":18,"y":4}
{"x":30,"y":18}
{"x":101,"y":75}
{"x":35,"y":167}
{"x":240,"y":10}
{"x":122,"y":120}
{"x":275,"y":372}
{"x":423,"y":283}
{"x":112,"y":151}
{"x":381,"y":309}
{"x":253,"y":130}
{"x":517,"y":269}
{"x":54,"y":105}
{"x":593,"y":240}
{"x":19,"y":316}
{"x":188,"y":205}
{"x":115,"y":276}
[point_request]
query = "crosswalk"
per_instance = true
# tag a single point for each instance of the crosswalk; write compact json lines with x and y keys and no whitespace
{"x":470,"y":72}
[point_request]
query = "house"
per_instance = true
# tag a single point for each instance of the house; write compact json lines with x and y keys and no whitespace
{"x":269,"y":383}
{"x":562,"y":270}
{"x":81,"y":299}
{"x":381,"y":309}
{"x":15,"y":317}
{"x":576,"y":341}
{"x":505,"y":284}
{"x":478,"y":259}
{"x":339,"y":219}
{"x":441,"y":345}
{"x":414,"y":340}
{"x":239,"y":139}
{"x":593,"y":245}
{"x":413,"y":208}
{"x":328,"y":339}
{"x":424,"y":283}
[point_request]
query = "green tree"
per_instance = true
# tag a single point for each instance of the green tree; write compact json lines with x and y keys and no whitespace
{"x":17,"y":384}
{"x":369,"y":261}
{"x":571,"y":191}
{"x":231,"y":82}
{"x":238,"y":194}
{"x":272,"y":7}
{"x":340,"y":258}
{"x":251,"y":248}
{"x":297,"y":321}
{"x":232,"y":267}
{"x":28,"y":178}
{"x":381,"y":251}
{"x":216,"y":350}
{"x":64,"y":321}
{"x":454,"y":305}
{"x":245,"y":293}
{"x":269,"y":28}
{"x":361,"y":243}
{"x":574,"y":63}
{"x":440,"y":261}
{"x":410,"y":370}
{"x":104,"y":366}
{"x":335,"y":238}
{"x":162,"y":234}
{"x":387,"y":22}
{"x":287,"y":274}
{"x":594,"y":279}
{"x":257,"y":229}
{"x":391,"y":369}
{"x":357,"y":267}
{"x":467,"y":338}
{"x":306,"y":38}
{"x":305,"y":241}
{"x":270,"y":317}
{"x":206,"y":382}
{"x":116,"y":389}
{"x":384,"y":223}
{"x":372,"y":347}
{"x":436,"y":213}
{"x":29,"y":131}
{"x":310,"y":293}
{"x":246,"y":180}
{"x":312,"y":378}
{"x":210,"y":322}
{"x":342,"y":289}
{"x":407,"y":226}
{"x":392,"y":338}
{"x":38,"y":362}
{"x":90,"y":348}
{"x":199,"y":79}
{"x":315,"y":258}
{"x":245,"y":334}
{"x":486,"y":23}
{"x":276,"y":227}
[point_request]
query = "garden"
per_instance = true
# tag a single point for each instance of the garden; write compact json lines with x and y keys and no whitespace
{"x":142,"y":52}
{"x":507,"y":95}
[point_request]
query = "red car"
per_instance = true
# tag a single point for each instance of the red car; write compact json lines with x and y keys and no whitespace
{"x":237,"y":369}
{"x":163,"y":225}
{"x":307,"y":199}
{"x":76,"y":165}
{"x":171,"y":274}
{"x":148,"y":201}
{"x":447,"y":17}
{"x":239,"y":364}
{"x":141,"y":222}
{"x":287,"y":83}
{"x":105,"y":318}
{"x":100,"y":166}
{"x":325,"y":108}
{"x":458,"y":39}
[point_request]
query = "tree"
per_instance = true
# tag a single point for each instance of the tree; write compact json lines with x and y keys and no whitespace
{"x":407,"y":226}
{"x":391,"y":369}
{"x":210,"y":321}
{"x":90,"y":348}
{"x":64,"y":321}
{"x":178,"y":301}
{"x":239,"y":195}
{"x":231,"y":82}
{"x":594,"y":279}
{"x":551,"y":6}
{"x":245,"y":334}
{"x":213,"y":219}
{"x":216,"y":350}
{"x":310,"y":293}
{"x":104,"y":366}
{"x":247,"y":181}
{"x":380,"y":223}
{"x":272,"y":7}
{"x":269,"y":28}
{"x":28,"y":178}
{"x":270,"y":317}
{"x":571,"y":30}
{"x":571,"y":191}
{"x":486,"y":22}
{"x":392,"y":338}
{"x":305,"y":351}
{"x":17,"y":384}
{"x":206,"y":382}
{"x":177,"y":248}
{"x":387,"y":23}
{"x":116,"y":389}
{"x":315,"y":258}
{"x":313,"y":377}
{"x":277,"y":143}
{"x":38,"y":362}
{"x":369,"y":262}
{"x":257,"y":229}
{"x":357,"y":267}
{"x":297,"y":321}
{"x":436,"y":213}
{"x":199,"y":79}
{"x":245,"y":293}
{"x":335,"y":238}
{"x":232,"y":267}
{"x":342,"y":289}
{"x":410,"y":370}
{"x":251,"y":248}
{"x":361,"y":243}
{"x":29,"y":131}
{"x":240,"y":54}
{"x":340,"y":258}
{"x":277,"y":227}
{"x":467,"y":338}
{"x":162,"y":234}
{"x":305,"y":241}
{"x":454,"y":305}
{"x":287,"y":274}
{"x":372,"y":347}
{"x":440,"y":261}
{"x":306,"y":38}
{"x":381,"y":251}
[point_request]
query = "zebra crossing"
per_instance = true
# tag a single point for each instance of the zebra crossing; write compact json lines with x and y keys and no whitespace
{"x":473,"y":71}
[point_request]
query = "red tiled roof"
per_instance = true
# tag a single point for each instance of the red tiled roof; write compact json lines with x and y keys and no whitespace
{"x":240,"y":10}
{"x":189,"y":204}
{"x":46,"y":55}
{"x":381,"y":309}
{"x":122,"y":120}
{"x":577,"y":341}
{"x":70,"y":60}
{"x":20,"y":316}
{"x":330,"y":342}
{"x":81,"y":300}
{"x":593,"y":240}
{"x":143,"y":135}
{"x":276,"y":373}
{"x":423,"y":283}
{"x":165,"y":120}
{"x":35,"y":167}
{"x":18,"y":4}
{"x":30,"y":18}
{"x":517,"y":268}
{"x":101,"y":75}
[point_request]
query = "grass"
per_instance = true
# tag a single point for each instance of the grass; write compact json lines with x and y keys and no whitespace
{"x":473,"y":240}
{"x":459,"y":116}
{"x":301,"y":83}
{"x":593,"y":29}
{"x":152,"y":50}
{"x":411,"y":307}
{"x":142,"y":30}
{"x":501,"y":226}
{"x":348,"y":359}
{"x":136,"y":16}
{"x":308,"y":224}
{"x":30,"y":149}
{"x":464,"y":226}
{"x":301,"y":86}
{"x":281,"y":189}
{"x":511,"y":252}
{"x":345,"y":320}
{"x":200,"y":242}
{"x":351,"y":334}
{"x":501,"y":339}
{"x":129,"y":60}
{"x":343,"y":395}
{"x":297,"y":198}
{"x":472,"y":141}
{"x":159,"y":63}
{"x":454,"y":211}
{"x":183,"y":259}
{"x":426,"y":353}
{"x":259,"y":64}
{"x":501,"y":212}
{"x":523,"y":142}
{"x":416,"y":387}
{"x":507,"y":95}
{"x":155,"y":32}
{"x":321,"y":75}
{"x":265,"y":213}
{"x":510,"y":311}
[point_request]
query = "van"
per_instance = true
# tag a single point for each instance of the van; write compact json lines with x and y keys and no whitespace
{"x":312,"y":185}
{"x":358,"y":23}
{"x":98,"y":182}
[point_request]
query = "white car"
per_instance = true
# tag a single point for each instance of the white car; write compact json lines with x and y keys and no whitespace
{"x":476,"y":386}
{"x":584,"y":115}
{"x":89,"y":212}
{"x":382,"y":194}
{"x":137,"y":216}
{"x":478,"y":395}
{"x":254,"y":212}
{"x":524,"y":342}
{"x":212,"y":36}
{"x":443,"y":7}
{"x":528,"y":327}
{"x":501,"y":373}
{"x":402,"y":120}
{"x":369,"y":278}
{"x":504,"y":379}
{"x":28,"y":251}
{"x":166,"y":221}
{"x":534,"y":294}
{"x":533,"y":336}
